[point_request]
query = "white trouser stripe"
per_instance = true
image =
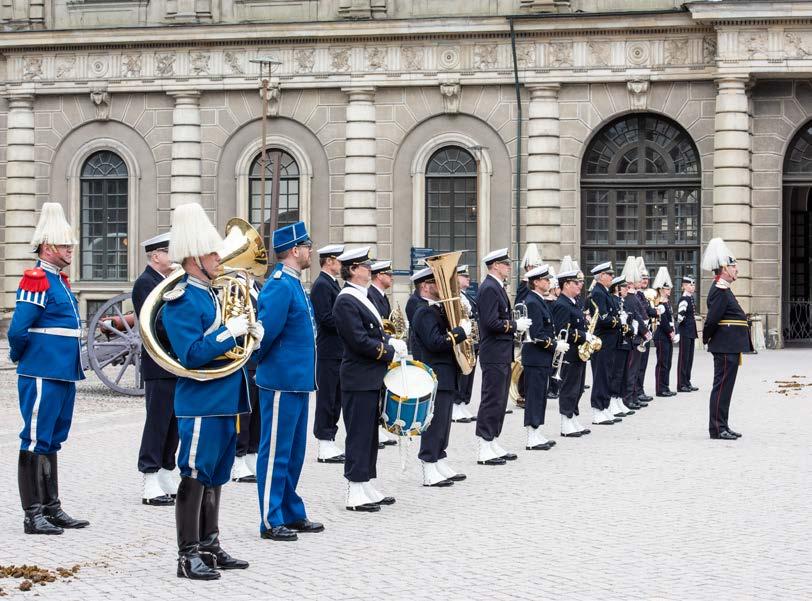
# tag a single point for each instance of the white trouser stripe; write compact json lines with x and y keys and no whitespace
{"x":34,"y":416}
{"x":266,"y":497}
{"x":193,"y":446}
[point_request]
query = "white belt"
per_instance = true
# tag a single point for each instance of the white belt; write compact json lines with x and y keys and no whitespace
{"x":70,"y":332}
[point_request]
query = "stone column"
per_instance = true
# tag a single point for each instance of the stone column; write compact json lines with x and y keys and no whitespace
{"x":731,"y":177}
{"x":359,"y":172}
{"x":543,"y":172}
{"x":185,"y":185}
{"x":21,"y":199}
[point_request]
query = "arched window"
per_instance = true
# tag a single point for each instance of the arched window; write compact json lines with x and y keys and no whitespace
{"x":451,"y":204}
{"x":640,"y":191}
{"x":281,"y":190}
{"x":104,"y":217}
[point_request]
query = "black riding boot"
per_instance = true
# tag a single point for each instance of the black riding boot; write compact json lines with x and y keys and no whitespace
{"x":28,"y":481}
{"x":49,"y":491}
{"x":187,"y":523}
{"x":210,"y":550}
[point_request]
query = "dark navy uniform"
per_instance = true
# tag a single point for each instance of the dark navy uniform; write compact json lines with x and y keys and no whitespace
{"x":637,"y":312}
{"x":607,"y":329}
{"x":686,"y":328}
{"x":329,"y":349}
{"x":665,"y":351}
{"x":521,"y":293}
{"x":159,"y":440}
{"x":617,"y":377}
{"x":496,"y":329}
{"x":651,"y":317}
{"x":363,"y":367}
{"x":537,"y":359}
{"x":727,"y":334}
{"x":433,"y":345}
{"x":380,"y":301}
{"x":566,"y":312}
{"x":553,"y":384}
{"x":465,"y":382}
{"x":412,"y":304}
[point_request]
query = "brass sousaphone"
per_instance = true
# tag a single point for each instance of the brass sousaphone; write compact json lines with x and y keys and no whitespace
{"x":244,"y":259}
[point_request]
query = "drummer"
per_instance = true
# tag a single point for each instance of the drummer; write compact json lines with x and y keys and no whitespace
{"x":433,"y":343}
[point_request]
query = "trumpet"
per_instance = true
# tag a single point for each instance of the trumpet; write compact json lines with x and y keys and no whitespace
{"x":519,"y":312}
{"x":558,"y":356}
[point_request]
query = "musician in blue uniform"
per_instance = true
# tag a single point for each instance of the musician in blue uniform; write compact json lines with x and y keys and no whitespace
{"x":381,"y":282}
{"x":286,"y":375}
{"x":686,"y":329}
{"x":619,"y":291}
{"x":159,"y":440}
{"x":465,"y":382}
{"x":608,"y":327}
{"x":206,"y":410}
{"x":434,"y":343}
{"x":652,"y":315}
{"x":665,"y":337}
{"x":329,"y":350}
{"x":367,"y":354}
{"x":537,"y":357}
{"x":496,"y":330}
{"x":567,"y":315}
{"x":44,"y":343}
{"x":727,"y":334}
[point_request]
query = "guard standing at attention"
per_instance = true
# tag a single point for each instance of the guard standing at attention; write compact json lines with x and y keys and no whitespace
{"x":44,"y":343}
{"x":159,"y":440}
{"x":607,"y":329}
{"x":329,"y":350}
{"x":686,"y":329}
{"x":286,"y":375}
{"x":465,"y":382}
{"x":665,"y":337}
{"x":206,"y":410}
{"x":651,"y":313}
{"x":726,"y":333}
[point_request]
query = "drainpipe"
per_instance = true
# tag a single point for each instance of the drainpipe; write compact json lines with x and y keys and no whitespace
{"x":517,"y":185}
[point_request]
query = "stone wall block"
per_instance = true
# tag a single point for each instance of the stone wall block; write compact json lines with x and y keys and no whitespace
{"x":732,"y":139}
{"x":737,"y":177}
{"x":724,"y":159}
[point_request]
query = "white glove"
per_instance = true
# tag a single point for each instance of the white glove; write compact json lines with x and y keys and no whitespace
{"x":675,"y":339}
{"x":648,"y":336}
{"x":635,"y":326}
{"x":465,"y":324}
{"x":237,"y":326}
{"x":660,"y":309}
{"x":562,"y":346}
{"x":400,"y":348}
{"x":523,"y":324}
{"x":624,"y":317}
{"x":257,"y":330}
{"x":590,"y":337}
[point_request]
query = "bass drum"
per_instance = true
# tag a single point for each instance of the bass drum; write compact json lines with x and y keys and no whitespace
{"x":409,"y":403}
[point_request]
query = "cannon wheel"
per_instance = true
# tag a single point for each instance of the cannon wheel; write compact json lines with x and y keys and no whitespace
{"x":115,"y":355}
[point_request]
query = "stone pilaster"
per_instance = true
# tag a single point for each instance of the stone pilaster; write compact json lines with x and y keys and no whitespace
{"x":359,"y":171}
{"x":21,"y":200}
{"x":185,"y":185}
{"x":731,"y":177}
{"x":543,"y":172}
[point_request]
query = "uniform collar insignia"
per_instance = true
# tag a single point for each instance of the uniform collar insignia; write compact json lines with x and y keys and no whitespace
{"x":292,"y":272}
{"x":198,"y":283}
{"x":49,"y":267}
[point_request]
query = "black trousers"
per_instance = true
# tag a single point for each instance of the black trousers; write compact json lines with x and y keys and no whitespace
{"x":602,"y":367}
{"x":572,"y":387}
{"x":685,"y":361}
{"x":617,"y":378}
{"x":553,"y":385}
{"x":725,"y":368}
{"x":631,"y":389}
{"x":159,"y":441}
{"x":361,"y":409}
{"x":641,"y":374}
{"x":250,"y":423}
{"x":662,"y":371}
{"x":328,"y":399}
{"x":434,"y":441}
{"x":465,"y":386}
{"x":495,"y":386}
{"x":536,"y":379}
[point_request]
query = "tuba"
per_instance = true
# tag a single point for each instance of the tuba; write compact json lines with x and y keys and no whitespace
{"x":444,"y":268}
{"x":245,"y":260}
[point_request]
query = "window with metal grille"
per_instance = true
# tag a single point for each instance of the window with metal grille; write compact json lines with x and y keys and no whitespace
{"x":281,"y":190}
{"x":451,"y":204}
{"x":104,"y":218}
{"x":640,"y":188}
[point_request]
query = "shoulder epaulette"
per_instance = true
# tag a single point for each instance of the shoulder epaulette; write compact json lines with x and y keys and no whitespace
{"x":175,"y":293}
{"x":277,"y":274}
{"x":34,"y":280}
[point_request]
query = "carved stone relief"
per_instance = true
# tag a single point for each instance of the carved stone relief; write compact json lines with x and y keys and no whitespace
{"x":98,"y":65}
{"x":340,"y":59}
{"x":638,"y":52}
{"x":234,"y":62}
{"x":753,"y":44}
{"x":709,"y":47}
{"x":101,"y":99}
{"x":449,"y":57}
{"x":376,"y":58}
{"x":559,"y":54}
{"x":526,"y":56}
{"x":676,"y":52}
{"x":274,"y":92}
{"x":600,"y":53}
{"x":200,"y":63}
{"x":485,"y":56}
{"x":450,"y":91}
{"x":32,"y":68}
{"x":305,"y":60}
{"x":796,"y":45}
{"x":131,"y":65}
{"x":412,"y":58}
{"x":165,"y":64}
{"x":638,"y":93}
{"x":65,"y":66}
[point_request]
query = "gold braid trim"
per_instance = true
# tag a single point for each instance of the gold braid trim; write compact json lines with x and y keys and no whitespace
{"x":507,"y":326}
{"x":381,"y":351}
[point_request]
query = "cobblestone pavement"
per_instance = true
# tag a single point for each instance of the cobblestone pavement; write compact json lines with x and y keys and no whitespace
{"x":646,"y":509}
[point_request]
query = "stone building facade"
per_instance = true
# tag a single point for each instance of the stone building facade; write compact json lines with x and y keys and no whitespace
{"x":397,"y":124}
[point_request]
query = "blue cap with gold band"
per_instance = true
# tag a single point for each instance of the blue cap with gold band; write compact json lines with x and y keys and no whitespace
{"x":289,"y":236}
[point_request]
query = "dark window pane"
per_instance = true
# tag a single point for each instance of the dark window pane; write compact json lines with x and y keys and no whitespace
{"x":281,"y":190}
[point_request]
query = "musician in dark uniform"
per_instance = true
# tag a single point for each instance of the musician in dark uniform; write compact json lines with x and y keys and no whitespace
{"x":608,"y":328}
{"x":537,"y":357}
{"x":434,"y":343}
{"x":641,"y":335}
{"x":727,"y":334}
{"x":619,"y":291}
{"x":329,"y":350}
{"x":651,"y":314}
{"x":465,"y":382}
{"x":686,"y":329}
{"x":367,"y":354}
{"x":159,"y":440}
{"x":567,"y":315}
{"x":496,"y":330}
{"x":381,"y":283}
{"x":665,"y":336}
{"x":552,"y":295}
{"x":415,"y":299}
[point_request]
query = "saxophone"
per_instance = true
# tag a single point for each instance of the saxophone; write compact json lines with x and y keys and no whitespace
{"x":587,"y":348}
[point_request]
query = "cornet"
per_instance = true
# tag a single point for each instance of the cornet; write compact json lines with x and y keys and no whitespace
{"x":520,"y":312}
{"x":558,"y":356}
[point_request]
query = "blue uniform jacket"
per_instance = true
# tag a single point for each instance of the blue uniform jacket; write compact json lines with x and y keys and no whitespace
{"x":540,"y":351}
{"x":380,"y":301}
{"x":323,"y":295}
{"x":496,"y":325}
{"x":287,"y":356}
{"x":686,"y":317}
{"x":666,"y":327}
{"x":193,"y":326}
{"x":45,"y":332}
{"x":608,"y":325}
{"x":434,"y":344}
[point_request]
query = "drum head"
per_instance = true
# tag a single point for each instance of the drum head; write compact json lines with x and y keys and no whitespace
{"x":418,"y":382}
